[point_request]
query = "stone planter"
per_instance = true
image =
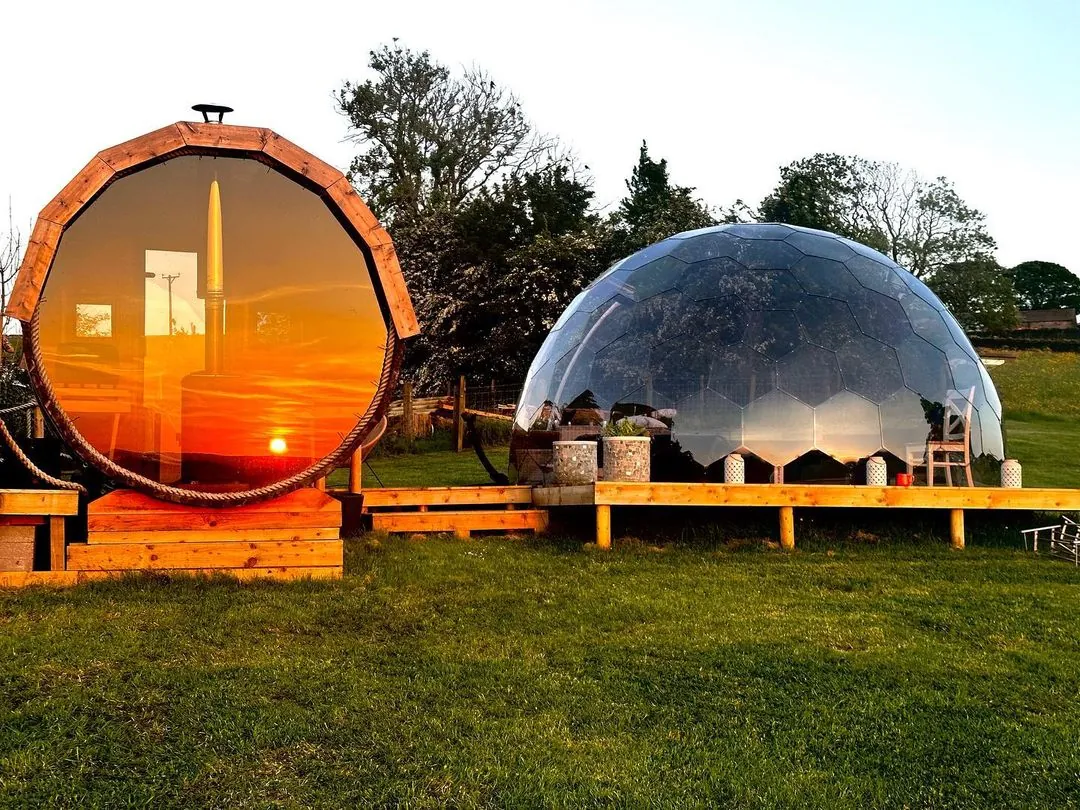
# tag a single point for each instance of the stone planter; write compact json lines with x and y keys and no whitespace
{"x":573,"y":463}
{"x":626,"y":458}
{"x":16,"y":548}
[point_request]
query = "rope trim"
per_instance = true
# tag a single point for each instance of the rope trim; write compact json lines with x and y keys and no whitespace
{"x":189,"y":497}
{"x":24,"y":459}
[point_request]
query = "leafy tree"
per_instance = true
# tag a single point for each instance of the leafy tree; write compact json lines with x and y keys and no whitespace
{"x":1045,"y":285}
{"x":494,"y":232}
{"x":10,"y":256}
{"x":921,"y":224}
{"x":431,"y":139}
{"x":654,"y":209}
{"x":816,"y":192}
{"x":491,"y":279}
{"x":979,"y":294}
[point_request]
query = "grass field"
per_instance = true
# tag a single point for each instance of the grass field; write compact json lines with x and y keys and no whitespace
{"x":514,"y":674}
{"x":874,"y":667}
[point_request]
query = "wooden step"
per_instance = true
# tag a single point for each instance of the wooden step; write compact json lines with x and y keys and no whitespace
{"x":390,"y":497}
{"x":461,"y":523}
{"x":129,"y":511}
{"x":203,"y":555}
{"x":286,"y":534}
{"x":68,"y":578}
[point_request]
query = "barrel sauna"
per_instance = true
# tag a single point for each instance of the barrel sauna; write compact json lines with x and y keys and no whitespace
{"x":212,"y":316}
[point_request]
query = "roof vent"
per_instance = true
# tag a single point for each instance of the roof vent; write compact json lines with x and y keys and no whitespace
{"x":208,"y":109}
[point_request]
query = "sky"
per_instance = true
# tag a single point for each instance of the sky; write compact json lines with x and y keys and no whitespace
{"x":985,"y":93}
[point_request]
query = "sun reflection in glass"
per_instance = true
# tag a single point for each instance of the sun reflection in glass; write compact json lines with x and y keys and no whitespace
{"x":278,"y":446}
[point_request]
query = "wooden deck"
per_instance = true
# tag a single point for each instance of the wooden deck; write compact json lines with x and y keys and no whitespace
{"x":786,"y":497}
{"x":461,"y":510}
{"x":295,"y":535}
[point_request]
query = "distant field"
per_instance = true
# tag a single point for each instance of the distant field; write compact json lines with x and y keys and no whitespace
{"x":1039,"y":383}
{"x":1040,"y":393}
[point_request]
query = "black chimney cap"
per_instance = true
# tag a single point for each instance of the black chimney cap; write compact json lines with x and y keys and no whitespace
{"x":207,"y":109}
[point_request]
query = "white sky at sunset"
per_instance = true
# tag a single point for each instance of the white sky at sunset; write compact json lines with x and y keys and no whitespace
{"x":985,"y":93}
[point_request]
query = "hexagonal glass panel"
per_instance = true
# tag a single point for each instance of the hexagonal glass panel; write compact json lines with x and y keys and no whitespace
{"x":778,"y":428}
{"x":811,"y":374}
{"x":847,"y":427}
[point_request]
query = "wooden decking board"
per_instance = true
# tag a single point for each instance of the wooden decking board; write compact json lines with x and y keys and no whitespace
{"x":39,"y":502}
{"x":69,"y":578}
{"x":203,"y":555}
{"x":288,"y":534}
{"x":445,"y":496}
{"x":461,"y":522}
{"x":806,"y":495}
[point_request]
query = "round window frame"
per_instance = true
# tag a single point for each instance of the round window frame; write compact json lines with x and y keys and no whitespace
{"x":214,"y":140}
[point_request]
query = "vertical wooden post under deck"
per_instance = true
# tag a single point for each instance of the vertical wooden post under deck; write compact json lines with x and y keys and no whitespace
{"x":57,"y":552}
{"x":956,"y":528}
{"x":603,"y":526}
{"x":39,"y":423}
{"x":407,"y":424}
{"x":320,"y":484}
{"x":787,"y":528}
{"x":459,"y":413}
{"x":356,"y":462}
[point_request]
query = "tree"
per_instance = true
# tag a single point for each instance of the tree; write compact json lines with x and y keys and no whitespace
{"x":920,"y":224}
{"x":816,"y":192}
{"x":1045,"y":285}
{"x":492,"y":278}
{"x":655,"y":209}
{"x":430,"y":139}
{"x":979,"y":293}
{"x":10,"y":256}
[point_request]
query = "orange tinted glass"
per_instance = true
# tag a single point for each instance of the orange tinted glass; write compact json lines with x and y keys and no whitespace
{"x":232,"y":386}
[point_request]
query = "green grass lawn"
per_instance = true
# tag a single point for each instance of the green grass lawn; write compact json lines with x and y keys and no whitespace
{"x":529,"y":674}
{"x":873,"y":667}
{"x":435,"y":467}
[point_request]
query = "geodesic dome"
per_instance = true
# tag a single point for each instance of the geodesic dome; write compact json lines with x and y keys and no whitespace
{"x":764,"y":339}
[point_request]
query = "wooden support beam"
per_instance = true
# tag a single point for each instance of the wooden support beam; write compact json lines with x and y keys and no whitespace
{"x":356,"y":463}
{"x":39,"y":502}
{"x":603,"y":526}
{"x":39,"y":423}
{"x":57,"y":556}
{"x":787,"y":528}
{"x":956,"y":528}
{"x":459,"y":412}
{"x":466,"y":521}
{"x":320,"y":484}
{"x":388,"y":497}
{"x":408,"y":425}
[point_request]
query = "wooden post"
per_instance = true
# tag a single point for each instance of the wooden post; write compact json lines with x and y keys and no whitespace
{"x":787,"y":528}
{"x":39,"y":423}
{"x":356,"y":462}
{"x":956,"y":528}
{"x":459,"y":413}
{"x":320,"y":484}
{"x":603,"y":526}
{"x":408,"y":424}
{"x":57,"y":552}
